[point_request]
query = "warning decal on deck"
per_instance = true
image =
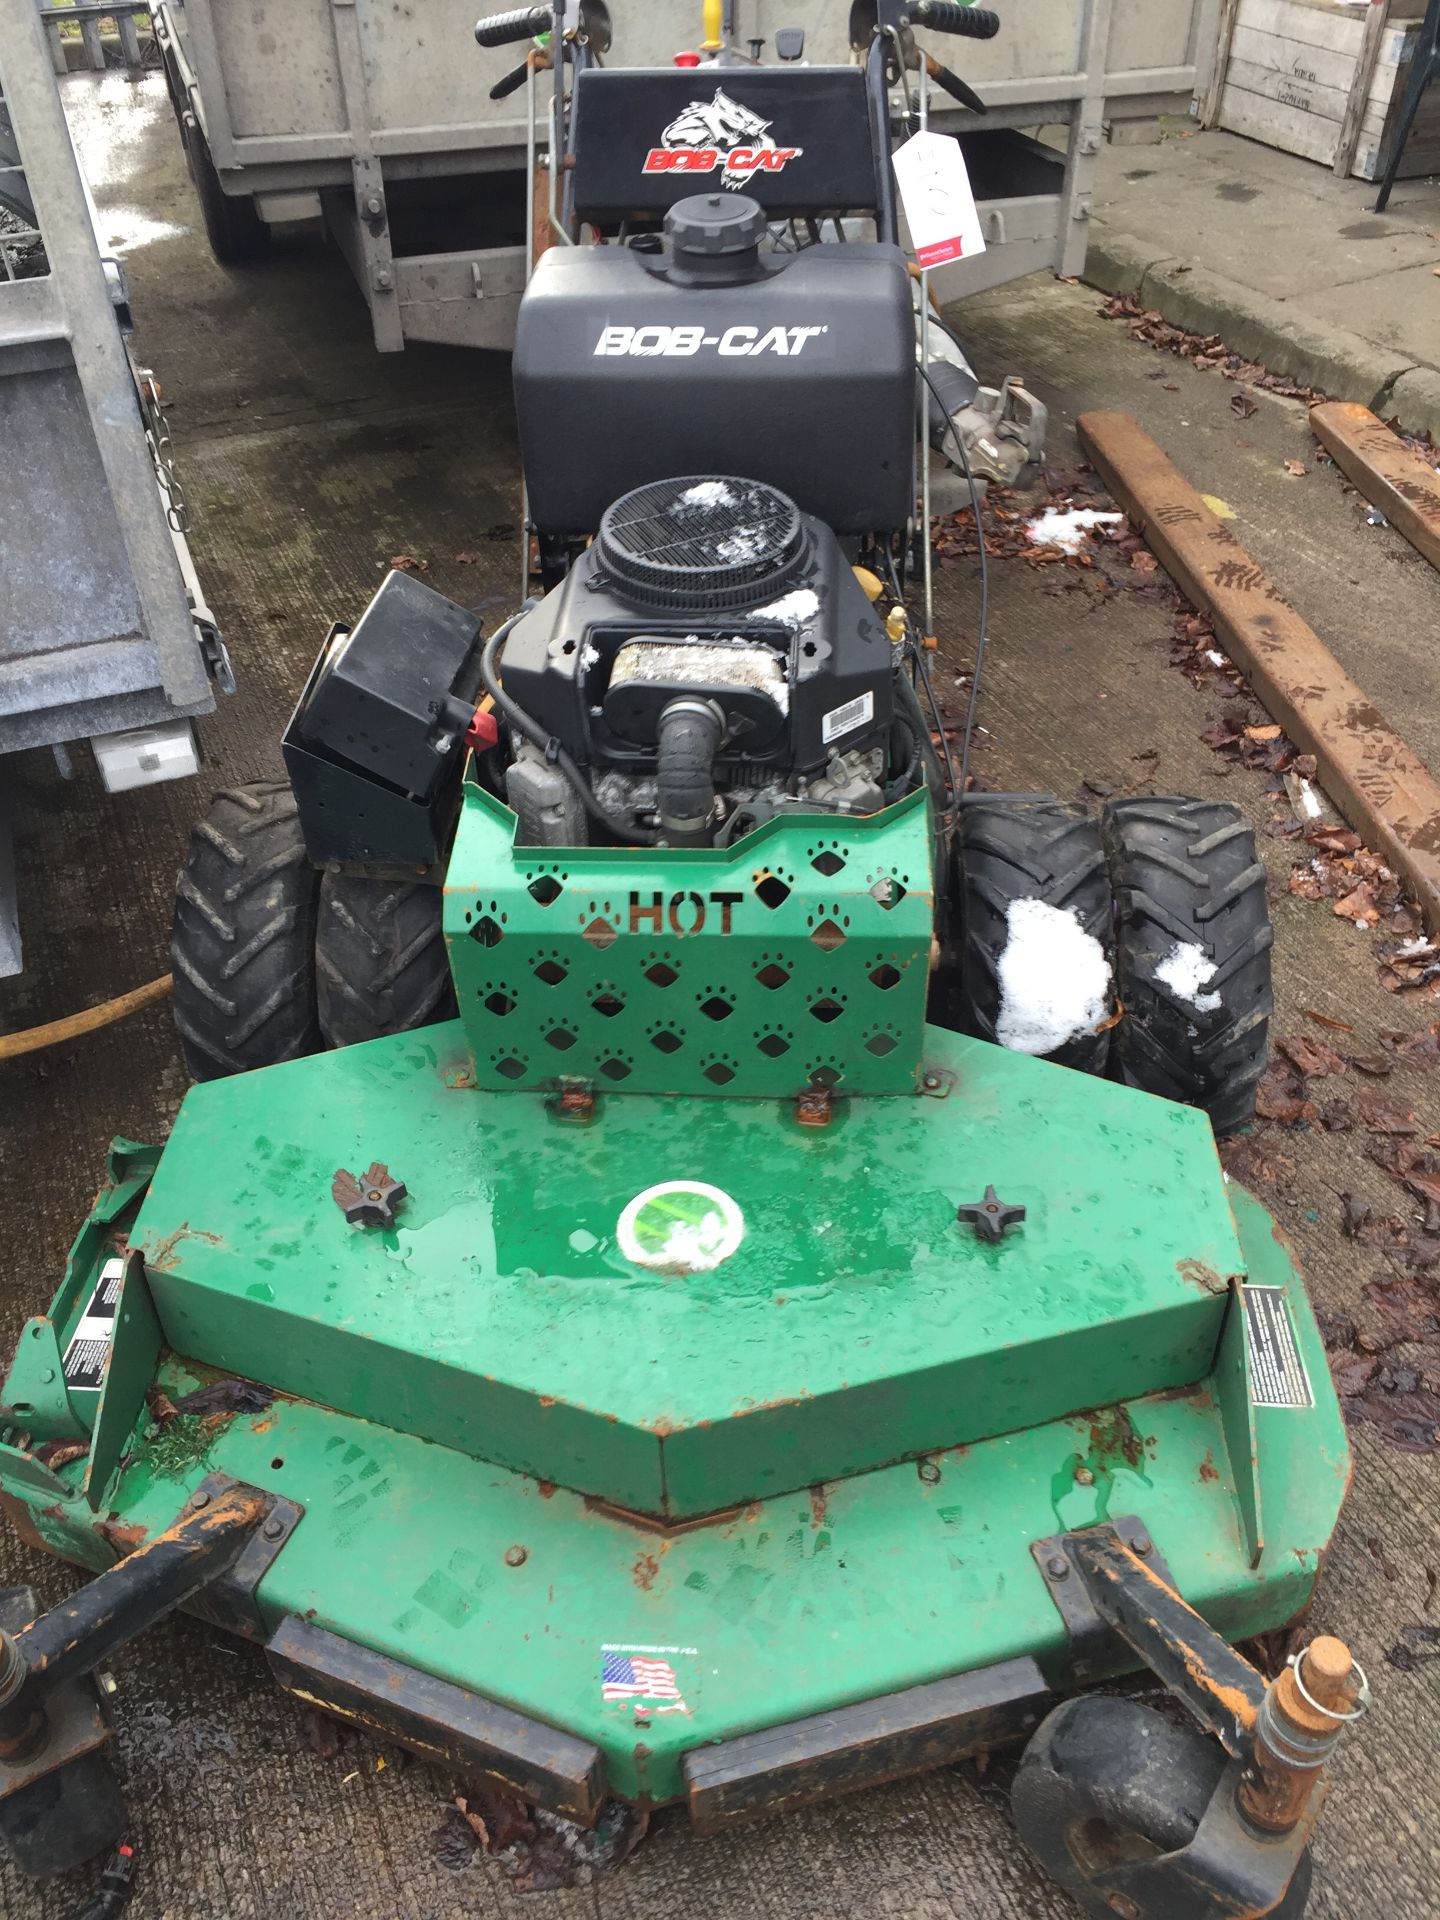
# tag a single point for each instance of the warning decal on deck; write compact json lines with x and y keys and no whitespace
{"x":1277,"y":1373}
{"x":90,"y":1343}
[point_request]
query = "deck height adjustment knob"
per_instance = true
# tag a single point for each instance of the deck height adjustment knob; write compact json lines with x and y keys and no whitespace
{"x":990,"y":1217}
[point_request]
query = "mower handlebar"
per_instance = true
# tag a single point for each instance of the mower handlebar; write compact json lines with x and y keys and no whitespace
{"x":521,"y":23}
{"x":949,"y":16}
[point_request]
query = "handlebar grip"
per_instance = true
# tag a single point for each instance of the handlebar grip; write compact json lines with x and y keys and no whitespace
{"x":521,"y":23}
{"x":948,"y":16}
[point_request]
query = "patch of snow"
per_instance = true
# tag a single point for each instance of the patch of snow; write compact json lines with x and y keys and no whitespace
{"x":1215,"y":658}
{"x":589,"y":655}
{"x":696,"y":1248}
{"x":1185,"y":970}
{"x":1068,"y":530}
{"x":1415,"y":949}
{"x":707,"y":493}
{"x":745,"y":543}
{"x":1310,"y":800}
{"x":1054,"y":979}
{"x":794,"y":608}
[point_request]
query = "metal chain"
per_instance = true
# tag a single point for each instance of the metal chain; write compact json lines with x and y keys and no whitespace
{"x":157,"y":432}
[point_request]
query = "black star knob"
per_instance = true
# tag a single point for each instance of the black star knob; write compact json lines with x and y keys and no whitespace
{"x":990,"y":1217}
{"x":369,"y":1201}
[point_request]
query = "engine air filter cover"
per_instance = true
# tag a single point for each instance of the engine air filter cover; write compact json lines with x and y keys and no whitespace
{"x":703,"y":542}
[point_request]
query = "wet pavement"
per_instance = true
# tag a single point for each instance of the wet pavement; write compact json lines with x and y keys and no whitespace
{"x":310,"y":463}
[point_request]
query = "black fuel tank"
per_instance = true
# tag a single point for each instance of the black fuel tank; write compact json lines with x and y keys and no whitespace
{"x":802,"y":376}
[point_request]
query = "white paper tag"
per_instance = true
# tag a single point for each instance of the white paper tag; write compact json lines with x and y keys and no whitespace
{"x":939,"y":206}
{"x":842,"y":720}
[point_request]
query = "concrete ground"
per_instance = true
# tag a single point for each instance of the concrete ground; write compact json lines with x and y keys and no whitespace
{"x":1288,"y":264}
{"x":311,"y":462}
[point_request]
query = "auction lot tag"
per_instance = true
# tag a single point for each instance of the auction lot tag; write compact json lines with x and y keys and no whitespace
{"x":939,"y":206}
{"x":89,"y":1346}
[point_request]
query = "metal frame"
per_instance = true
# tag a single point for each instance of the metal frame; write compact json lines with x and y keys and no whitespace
{"x":82,"y":437}
{"x":436,"y":296}
{"x":69,"y":315}
{"x":89,"y":16}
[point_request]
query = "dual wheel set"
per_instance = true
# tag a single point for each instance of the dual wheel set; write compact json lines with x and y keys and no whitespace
{"x":1165,"y":898}
{"x":1171,"y":894}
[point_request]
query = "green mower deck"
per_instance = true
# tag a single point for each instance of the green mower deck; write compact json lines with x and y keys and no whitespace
{"x":803,"y":1479}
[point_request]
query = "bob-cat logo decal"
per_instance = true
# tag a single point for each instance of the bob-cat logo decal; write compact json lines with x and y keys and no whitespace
{"x":719,"y":133}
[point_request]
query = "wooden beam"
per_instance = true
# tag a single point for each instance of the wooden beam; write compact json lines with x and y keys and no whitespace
{"x":1384,"y":790}
{"x":1366,"y":60}
{"x":1404,"y":487}
{"x":1208,"y":106}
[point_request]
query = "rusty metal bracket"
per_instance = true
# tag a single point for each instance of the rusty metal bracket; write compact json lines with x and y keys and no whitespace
{"x":1118,"y":1599}
{"x":1097,"y":1651}
{"x":229,"y":1601}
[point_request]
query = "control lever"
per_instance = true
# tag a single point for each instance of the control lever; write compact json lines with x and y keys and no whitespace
{"x":512,"y":81}
{"x":790,"y":43}
{"x":953,"y":85}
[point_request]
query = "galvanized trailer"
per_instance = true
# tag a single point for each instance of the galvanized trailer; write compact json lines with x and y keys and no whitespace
{"x":104,"y":634}
{"x":380,"y":119}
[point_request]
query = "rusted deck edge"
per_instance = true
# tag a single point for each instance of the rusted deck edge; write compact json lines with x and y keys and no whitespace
{"x":1390,"y":476}
{"x":1383,"y":788}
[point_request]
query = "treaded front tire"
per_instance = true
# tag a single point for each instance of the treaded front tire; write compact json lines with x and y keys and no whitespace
{"x":1186,"y":876}
{"x":1025,"y":848}
{"x":243,"y":940}
{"x":380,"y":960}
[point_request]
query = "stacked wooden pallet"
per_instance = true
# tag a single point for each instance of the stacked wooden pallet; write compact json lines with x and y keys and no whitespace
{"x":1326,"y":78}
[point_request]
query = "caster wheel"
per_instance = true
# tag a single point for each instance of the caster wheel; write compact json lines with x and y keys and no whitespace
{"x":64,"y":1818}
{"x":1106,"y":1783}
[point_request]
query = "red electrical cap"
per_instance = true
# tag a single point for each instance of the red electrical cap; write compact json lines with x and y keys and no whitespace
{"x":482,"y":732}
{"x":687,"y":59}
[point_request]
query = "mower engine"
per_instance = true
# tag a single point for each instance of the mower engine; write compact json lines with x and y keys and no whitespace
{"x":710,"y":661}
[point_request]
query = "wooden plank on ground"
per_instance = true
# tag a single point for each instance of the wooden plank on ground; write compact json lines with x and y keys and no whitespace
{"x":1402,"y":485}
{"x":1385,"y":791}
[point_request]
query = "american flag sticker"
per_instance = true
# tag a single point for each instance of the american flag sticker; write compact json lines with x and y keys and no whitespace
{"x":643,"y":1680}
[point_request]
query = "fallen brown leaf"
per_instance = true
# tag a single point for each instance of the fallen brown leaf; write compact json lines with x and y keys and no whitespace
{"x":1381,"y":1112}
{"x":408,"y":563}
{"x":1377,"y":1065}
{"x":1242,"y":405}
{"x":1312,"y":1057}
{"x":1296,"y":467}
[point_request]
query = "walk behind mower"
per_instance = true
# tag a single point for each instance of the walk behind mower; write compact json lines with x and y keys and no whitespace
{"x":759,"y":1312}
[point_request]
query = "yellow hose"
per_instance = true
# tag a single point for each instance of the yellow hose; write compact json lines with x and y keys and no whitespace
{"x":12,"y":1045}
{"x":714,"y":26}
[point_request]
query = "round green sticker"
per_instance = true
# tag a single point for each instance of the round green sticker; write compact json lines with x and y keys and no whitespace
{"x":680,"y":1226}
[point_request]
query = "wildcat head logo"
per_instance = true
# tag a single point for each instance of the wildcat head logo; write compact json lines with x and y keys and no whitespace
{"x":719,"y":133}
